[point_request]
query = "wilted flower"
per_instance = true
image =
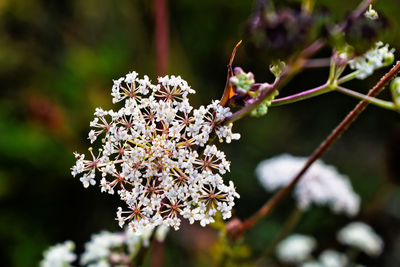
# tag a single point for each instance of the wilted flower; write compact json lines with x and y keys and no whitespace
{"x":278,"y":34}
{"x":361,"y":236}
{"x":156,"y":153}
{"x":60,"y":255}
{"x":321,"y":184}
{"x":295,"y":248}
{"x":361,"y":33}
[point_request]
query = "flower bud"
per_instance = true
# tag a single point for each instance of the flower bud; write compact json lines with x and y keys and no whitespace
{"x":277,"y":68}
{"x":262,"y":108}
{"x":242,"y":81}
{"x":388,"y":59}
{"x":395,"y":89}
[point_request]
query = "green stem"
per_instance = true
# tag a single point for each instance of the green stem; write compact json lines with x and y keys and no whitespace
{"x":381,"y":197}
{"x":338,"y":72}
{"x":348,"y":77}
{"x":303,"y":95}
{"x":332,"y":71}
{"x":372,"y":100}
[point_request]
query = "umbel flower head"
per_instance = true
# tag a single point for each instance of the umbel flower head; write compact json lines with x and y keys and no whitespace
{"x":322,"y":184}
{"x":60,"y":255}
{"x":296,"y":248}
{"x":155,"y":154}
{"x":362,"y":236}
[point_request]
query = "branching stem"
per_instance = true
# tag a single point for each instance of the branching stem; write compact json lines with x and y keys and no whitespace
{"x":325,"y":88}
{"x":321,"y":150}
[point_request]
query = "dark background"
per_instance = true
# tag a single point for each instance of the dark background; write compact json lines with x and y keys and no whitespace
{"x":57,"y":62}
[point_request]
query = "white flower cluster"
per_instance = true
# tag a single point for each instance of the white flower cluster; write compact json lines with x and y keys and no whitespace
{"x":60,"y":255}
{"x":329,"y":258}
{"x":321,"y":184}
{"x":377,"y":57}
{"x":99,"y":250}
{"x":155,"y":152}
{"x":361,"y":236}
{"x":105,"y":249}
{"x":295,"y":248}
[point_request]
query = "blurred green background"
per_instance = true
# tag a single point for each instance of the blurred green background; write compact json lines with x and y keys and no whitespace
{"x":57,"y":62}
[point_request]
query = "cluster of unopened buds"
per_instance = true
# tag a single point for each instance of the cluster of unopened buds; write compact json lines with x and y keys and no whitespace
{"x":156,"y":153}
{"x":246,"y":91}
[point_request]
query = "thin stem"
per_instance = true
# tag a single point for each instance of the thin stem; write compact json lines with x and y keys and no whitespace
{"x":161,"y":36}
{"x":317,"y":63}
{"x":157,"y":256}
{"x":348,"y":77}
{"x":237,"y":232}
{"x":372,"y":100}
{"x":381,"y":197}
{"x":332,"y":71}
{"x":325,"y":88}
{"x":161,"y":43}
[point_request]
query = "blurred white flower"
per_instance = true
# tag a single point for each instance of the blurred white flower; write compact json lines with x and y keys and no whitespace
{"x":60,"y":255}
{"x":332,"y":258}
{"x":295,"y":248}
{"x":322,"y":184}
{"x":377,"y":57}
{"x":328,"y":258}
{"x":155,"y":154}
{"x":361,"y":236}
{"x":161,"y":233}
{"x":312,"y":264}
{"x":100,"y":247}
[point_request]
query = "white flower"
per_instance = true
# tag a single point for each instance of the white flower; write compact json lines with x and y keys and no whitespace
{"x":312,"y":264}
{"x":156,"y":155}
{"x":371,"y":13}
{"x":361,"y":236}
{"x":331,"y":258}
{"x":100,"y":247}
{"x":106,"y":247}
{"x":60,"y":255}
{"x":295,"y":248}
{"x":377,"y":57}
{"x":328,"y":258}
{"x":321,"y":184}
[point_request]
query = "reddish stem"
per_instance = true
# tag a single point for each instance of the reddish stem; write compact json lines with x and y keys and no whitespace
{"x":161,"y":36}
